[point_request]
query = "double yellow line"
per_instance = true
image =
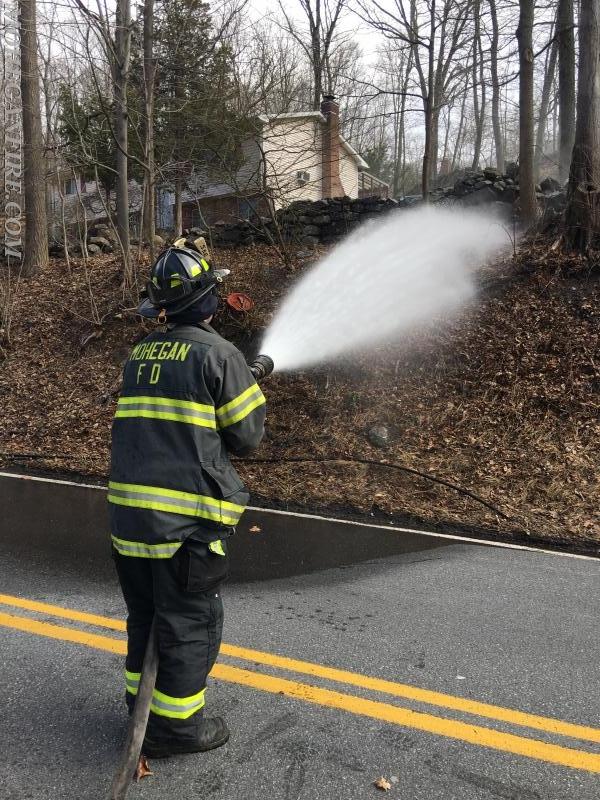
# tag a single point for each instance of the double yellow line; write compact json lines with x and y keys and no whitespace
{"x":375,"y":709}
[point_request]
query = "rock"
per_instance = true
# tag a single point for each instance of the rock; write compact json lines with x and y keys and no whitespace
{"x":100,"y":241}
{"x":311,"y":241}
{"x":323,"y":219}
{"x":550,"y":185}
{"x":379,"y":436}
{"x":93,"y":249}
{"x":158,"y":241}
{"x":310,"y":230}
{"x":492,"y":173}
{"x":479,"y":197}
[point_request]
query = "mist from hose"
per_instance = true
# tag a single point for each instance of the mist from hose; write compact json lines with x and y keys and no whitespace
{"x":381,"y":282}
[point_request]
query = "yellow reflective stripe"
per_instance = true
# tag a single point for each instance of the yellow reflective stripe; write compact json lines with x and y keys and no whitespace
{"x":166,"y":415}
{"x":240,"y":406}
{"x":176,"y":707}
{"x":174,"y":502}
{"x":166,"y":408}
{"x":142,"y":550}
{"x":132,"y":681}
{"x":243,"y":413}
{"x":155,"y":505}
{"x":161,"y":401}
{"x":174,"y":493}
{"x":217,"y":547}
{"x":222,"y":410}
{"x":205,"y":264}
{"x":195,"y":270}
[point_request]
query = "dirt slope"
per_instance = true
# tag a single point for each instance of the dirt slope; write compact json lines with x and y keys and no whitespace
{"x":502,"y":400}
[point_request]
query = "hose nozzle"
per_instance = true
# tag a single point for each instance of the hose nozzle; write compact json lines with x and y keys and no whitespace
{"x":262,"y":367}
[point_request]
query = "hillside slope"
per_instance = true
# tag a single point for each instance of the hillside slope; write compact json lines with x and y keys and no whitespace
{"x":502,"y":400}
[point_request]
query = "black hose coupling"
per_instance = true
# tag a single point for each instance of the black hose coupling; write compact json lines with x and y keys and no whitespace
{"x":262,"y":367}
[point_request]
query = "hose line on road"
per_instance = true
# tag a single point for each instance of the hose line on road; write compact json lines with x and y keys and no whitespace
{"x":138,"y":721}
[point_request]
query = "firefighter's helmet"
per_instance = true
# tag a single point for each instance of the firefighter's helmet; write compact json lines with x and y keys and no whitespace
{"x":180,"y":277}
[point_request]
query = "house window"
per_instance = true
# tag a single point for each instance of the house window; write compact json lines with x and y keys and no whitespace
{"x":70,"y":186}
{"x":246,"y":209}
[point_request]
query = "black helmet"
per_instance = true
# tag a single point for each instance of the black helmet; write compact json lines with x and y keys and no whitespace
{"x":180,"y":277}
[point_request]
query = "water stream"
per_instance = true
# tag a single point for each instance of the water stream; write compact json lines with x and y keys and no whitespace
{"x":380,"y":282}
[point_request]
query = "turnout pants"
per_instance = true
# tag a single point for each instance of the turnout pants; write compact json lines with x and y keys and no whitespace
{"x":183,"y":593}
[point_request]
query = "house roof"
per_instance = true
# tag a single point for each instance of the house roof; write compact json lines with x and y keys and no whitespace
{"x":320,"y":117}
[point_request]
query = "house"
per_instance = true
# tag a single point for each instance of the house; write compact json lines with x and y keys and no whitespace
{"x":68,"y":196}
{"x":293,"y":156}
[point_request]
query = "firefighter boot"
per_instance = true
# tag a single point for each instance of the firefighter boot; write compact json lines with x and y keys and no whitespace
{"x":211,"y":732}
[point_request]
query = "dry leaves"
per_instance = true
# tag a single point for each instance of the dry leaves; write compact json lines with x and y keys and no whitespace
{"x":142,"y":769}
{"x":502,"y":399}
{"x":383,"y":784}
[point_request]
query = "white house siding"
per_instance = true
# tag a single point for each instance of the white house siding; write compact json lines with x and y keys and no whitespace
{"x":291,"y":146}
{"x":348,"y":173}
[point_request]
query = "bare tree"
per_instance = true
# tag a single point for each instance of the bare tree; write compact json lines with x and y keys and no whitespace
{"x":149,"y":79}
{"x":120,"y":72}
{"x":437,"y":33}
{"x":478,"y":86}
{"x":566,"y":85}
{"x":582,"y":217}
{"x":498,"y":138}
{"x":322,"y":17}
{"x":35,"y":253}
{"x":549,"y":72}
{"x":526,"y":172}
{"x":117,"y":48}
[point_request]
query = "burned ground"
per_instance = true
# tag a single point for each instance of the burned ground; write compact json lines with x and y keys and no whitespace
{"x":502,"y":400}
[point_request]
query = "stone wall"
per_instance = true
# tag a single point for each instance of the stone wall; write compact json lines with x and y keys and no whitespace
{"x":308,"y":223}
{"x":303,"y":222}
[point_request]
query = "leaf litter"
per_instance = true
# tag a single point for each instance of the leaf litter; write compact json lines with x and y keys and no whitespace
{"x":502,"y":399}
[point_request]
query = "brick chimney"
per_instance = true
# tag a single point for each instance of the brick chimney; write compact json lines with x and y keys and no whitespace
{"x":332,"y":185}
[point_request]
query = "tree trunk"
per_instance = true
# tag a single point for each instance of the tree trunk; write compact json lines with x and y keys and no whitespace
{"x":35,"y":254}
{"x":526,"y":177}
{"x":478,"y":107}
{"x":178,"y":209}
{"x":461,"y":125}
{"x":566,"y":85}
{"x":498,"y":140}
{"x":544,"y":105}
{"x":428,"y":105}
{"x":120,"y":78}
{"x":149,"y":78}
{"x":582,"y":217}
{"x":434,"y":146}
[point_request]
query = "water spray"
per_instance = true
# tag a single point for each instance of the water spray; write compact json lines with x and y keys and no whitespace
{"x":381,"y":283}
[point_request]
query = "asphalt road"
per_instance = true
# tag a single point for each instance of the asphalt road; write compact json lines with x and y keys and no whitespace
{"x":514,"y":629}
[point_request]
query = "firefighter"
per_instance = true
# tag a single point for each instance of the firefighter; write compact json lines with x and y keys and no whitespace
{"x":188,"y":401}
